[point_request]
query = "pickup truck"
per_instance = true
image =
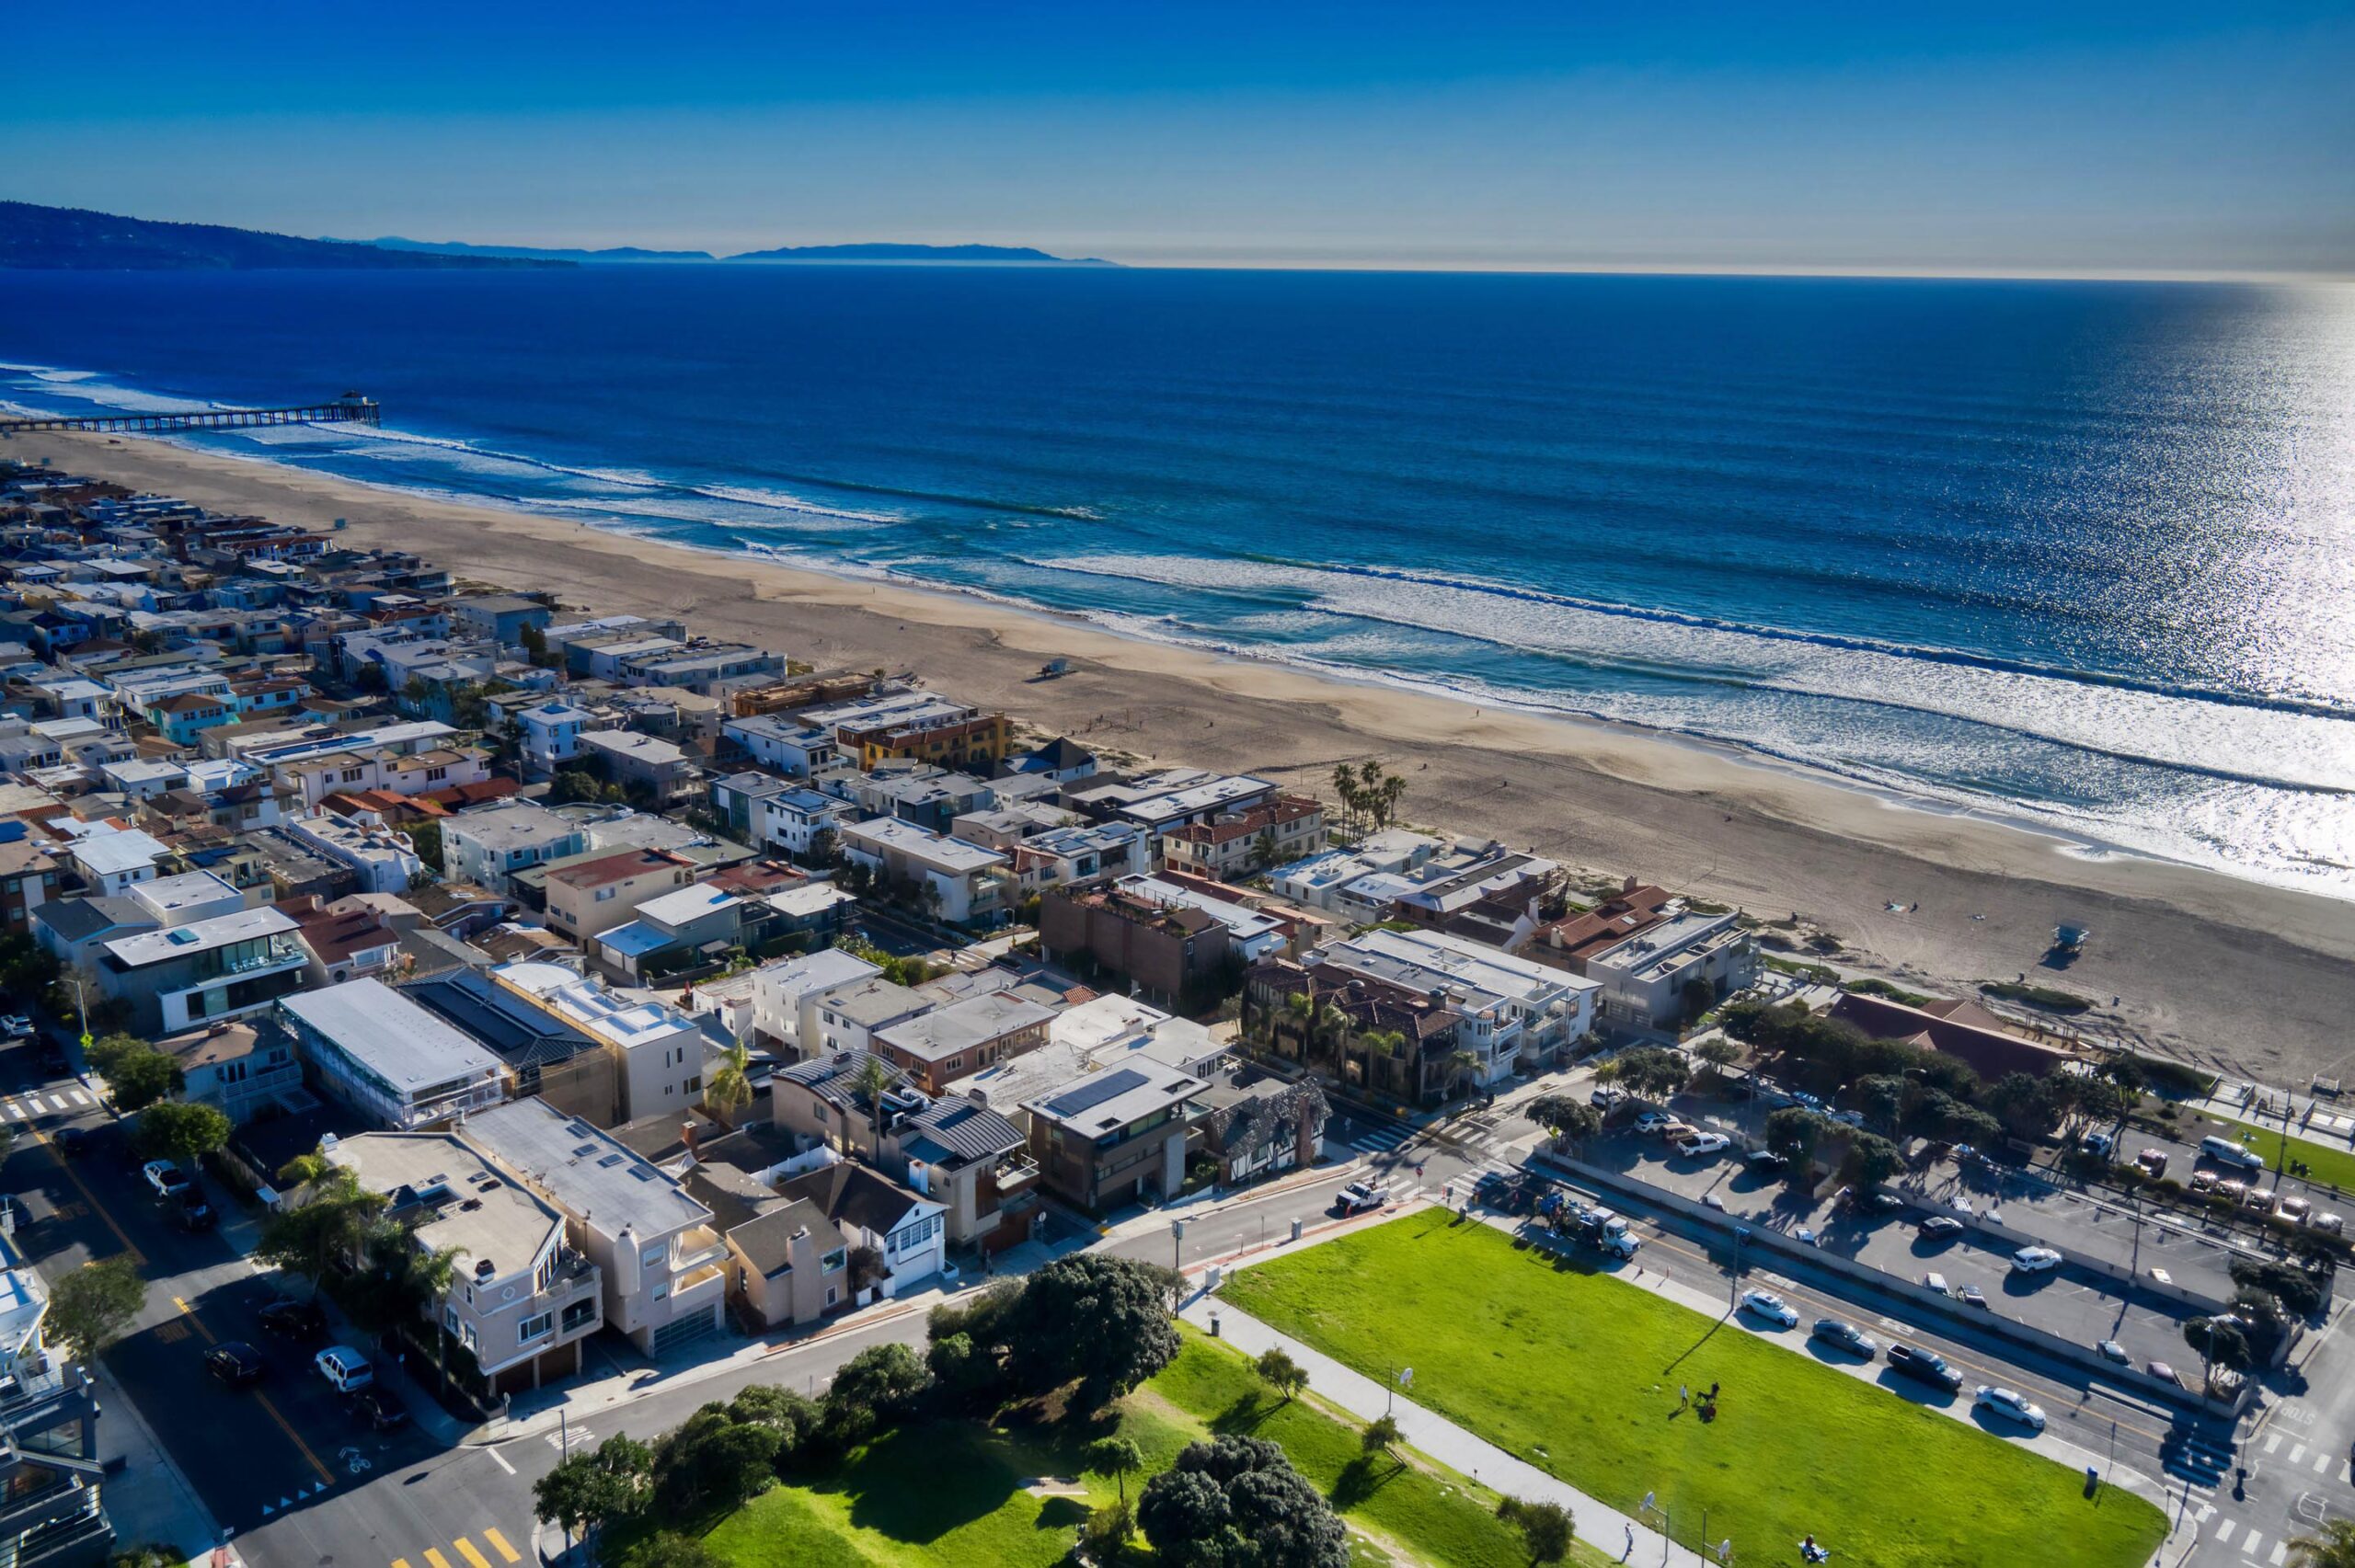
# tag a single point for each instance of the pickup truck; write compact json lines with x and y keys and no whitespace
{"x":1923,"y":1366}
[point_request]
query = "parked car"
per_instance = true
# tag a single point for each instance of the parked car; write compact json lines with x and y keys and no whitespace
{"x":2034,"y":1259}
{"x":15,"y":1025}
{"x":1605,"y":1097}
{"x":2008,"y":1402}
{"x":1702,"y":1143}
{"x":1849,"y":1118}
{"x":1652,"y":1121}
{"x":1845,"y":1335}
{"x":2154,"y":1163}
{"x":1962,"y":1205}
{"x":1881,"y":1203}
{"x":2225,"y":1151}
{"x":1766,"y":1162}
{"x":1711,"y":1200}
{"x":72,"y":1142}
{"x":297,"y":1321}
{"x":2112,"y":1351}
{"x":2163,"y":1373}
{"x":1771,"y":1306}
{"x":1938,"y":1226}
{"x":1971,"y":1296}
{"x":1935,"y":1284}
{"x":1358,"y":1196}
{"x":191,"y":1212}
{"x":2202,"y":1180}
{"x":2331,"y":1223}
{"x":2231,"y":1189}
{"x":52,"y":1060}
{"x":1923,"y":1366}
{"x":2099,"y":1143}
{"x":2294,"y":1209}
{"x":1677,"y":1131}
{"x":165,"y":1179}
{"x":376,"y":1410}
{"x":236,"y":1362}
{"x":345,"y":1368}
{"x":2260,"y":1199}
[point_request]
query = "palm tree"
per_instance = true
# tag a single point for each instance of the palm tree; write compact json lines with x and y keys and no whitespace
{"x":1302,"y":1006}
{"x":1461,"y":1066}
{"x":730,"y":1087}
{"x":2332,"y":1545}
{"x":1333,"y":1024}
{"x":874,"y":1080}
{"x":1385,"y":1045}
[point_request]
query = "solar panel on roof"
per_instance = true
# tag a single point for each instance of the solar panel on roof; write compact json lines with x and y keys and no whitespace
{"x":1095,"y":1090}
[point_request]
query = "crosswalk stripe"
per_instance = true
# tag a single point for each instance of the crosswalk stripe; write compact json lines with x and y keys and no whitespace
{"x":57,"y":1102}
{"x":2273,"y":1441}
{"x":466,"y":1550}
{"x":2280,"y":1549}
{"x":499,"y":1545}
{"x":2224,"y":1532}
{"x":2322,"y":1461}
{"x":434,"y":1556}
{"x":2248,"y":1542}
{"x":16,"y":1110}
{"x":2298,"y":1455}
{"x":77,"y":1096}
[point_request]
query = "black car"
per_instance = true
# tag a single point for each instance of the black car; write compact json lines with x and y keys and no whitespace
{"x":299,"y":1321}
{"x":1938,"y":1226}
{"x":1845,"y":1335}
{"x":72,"y":1142}
{"x":376,"y":1410}
{"x":53,"y":1062}
{"x":192,"y":1213}
{"x":1925,"y":1366}
{"x":1766,"y":1162}
{"x":236,"y":1362}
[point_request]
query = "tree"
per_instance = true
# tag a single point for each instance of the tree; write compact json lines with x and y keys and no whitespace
{"x":1107,"y":1530}
{"x":1544,"y":1528}
{"x":729,"y":1089}
{"x":89,"y":1308}
{"x":1871,"y":1160}
{"x":1102,"y":1321}
{"x":1237,"y":1503}
{"x":1118,"y":1457}
{"x":172,"y":1130}
{"x":1380,"y":1437}
{"x":1719,"y":1053}
{"x":793,"y":1416}
{"x":713,"y":1460}
{"x":2219,"y":1341}
{"x":886,"y":1380}
{"x":2023,"y":1104}
{"x":589,"y":1490}
{"x":108,"y":1049}
{"x":1281,"y":1372}
{"x":140,"y":1078}
{"x":1652,"y":1072}
{"x":2332,"y":1545}
{"x":1793,"y":1132}
{"x":1570,"y":1121}
{"x":1462,"y":1066}
{"x":425,"y":838}
{"x":327,"y":1220}
{"x":669,"y":1549}
{"x":874,"y":1079}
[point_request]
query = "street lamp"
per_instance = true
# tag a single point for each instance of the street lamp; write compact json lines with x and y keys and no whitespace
{"x":1733,"y":1289}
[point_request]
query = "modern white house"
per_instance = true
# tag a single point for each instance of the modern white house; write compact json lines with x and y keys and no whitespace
{"x":792,"y":819}
{"x":390,"y":1059}
{"x":487,"y":846}
{"x":1666,"y":972}
{"x":662,"y":1050}
{"x":549,"y":734}
{"x":964,"y":883}
{"x":789,"y":746}
{"x":202,"y":972}
{"x":785,"y":994}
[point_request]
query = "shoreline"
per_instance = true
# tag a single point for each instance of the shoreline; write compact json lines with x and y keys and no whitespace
{"x":2197,"y":955}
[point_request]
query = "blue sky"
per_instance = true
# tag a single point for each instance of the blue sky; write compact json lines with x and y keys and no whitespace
{"x":2050,"y":138}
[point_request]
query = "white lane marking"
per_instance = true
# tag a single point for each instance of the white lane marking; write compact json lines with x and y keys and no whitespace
{"x":77,"y":1096}
{"x":2322,"y":1461}
{"x":16,"y":1110}
{"x":57,"y":1102}
{"x":2281,"y":1550}
{"x":2273,"y":1441}
{"x":2224,"y":1532}
{"x":2248,"y":1542}
{"x":2298,"y":1453}
{"x":500,"y":1460}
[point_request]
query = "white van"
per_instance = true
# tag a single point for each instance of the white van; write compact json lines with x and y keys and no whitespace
{"x":347,"y":1368}
{"x":2225,"y":1151}
{"x":1936,"y":1282}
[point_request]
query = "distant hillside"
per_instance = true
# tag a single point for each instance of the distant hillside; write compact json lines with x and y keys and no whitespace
{"x":989,"y":253}
{"x":536,"y":252}
{"x":69,"y":239}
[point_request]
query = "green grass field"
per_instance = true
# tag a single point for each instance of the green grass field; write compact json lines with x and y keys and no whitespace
{"x":2328,"y":1162}
{"x":1578,"y":1374}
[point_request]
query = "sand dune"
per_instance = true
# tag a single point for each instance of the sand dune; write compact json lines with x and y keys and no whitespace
{"x":2253,"y":978}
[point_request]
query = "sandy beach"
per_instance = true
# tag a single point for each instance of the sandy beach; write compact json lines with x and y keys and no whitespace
{"x":2250,"y":978}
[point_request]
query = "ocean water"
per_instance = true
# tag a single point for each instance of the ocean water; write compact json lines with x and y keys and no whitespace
{"x":2077,"y":553}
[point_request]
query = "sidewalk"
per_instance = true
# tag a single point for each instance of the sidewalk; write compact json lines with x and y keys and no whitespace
{"x":1444,"y":1440}
{"x":147,"y":1498}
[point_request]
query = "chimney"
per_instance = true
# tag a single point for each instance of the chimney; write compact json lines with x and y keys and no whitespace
{"x":1554,"y":936}
{"x":687,"y":1134}
{"x":1628,"y":885}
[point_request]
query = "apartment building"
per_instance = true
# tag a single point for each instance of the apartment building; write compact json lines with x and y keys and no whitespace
{"x":1115,"y":1137}
{"x":1675,"y":969}
{"x":951,"y":1041}
{"x":660,"y":1051}
{"x":487,"y":846}
{"x":1239,"y":843}
{"x":205,"y":971}
{"x":52,"y":1515}
{"x":1513,"y":1013}
{"x":377,"y":1051}
{"x":588,"y":898}
{"x":963,"y":883}
{"x":784,"y":995}
{"x":663,"y":1266}
{"x":523,"y":1299}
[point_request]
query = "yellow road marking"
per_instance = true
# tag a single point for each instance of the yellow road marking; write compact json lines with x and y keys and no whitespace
{"x":400,"y":1562}
{"x":138,"y":1258}
{"x":466,"y":1550}
{"x":436,"y":1559}
{"x":294,"y":1436}
{"x":498,"y":1544}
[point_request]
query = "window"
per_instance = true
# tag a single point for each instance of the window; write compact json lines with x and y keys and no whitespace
{"x":537,"y":1327}
{"x":579,"y":1314}
{"x":604,"y":894}
{"x":437,"y":772}
{"x":835,"y":1261}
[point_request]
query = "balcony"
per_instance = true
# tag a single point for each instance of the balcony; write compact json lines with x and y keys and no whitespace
{"x":694,"y":1249}
{"x":1017,"y":1172}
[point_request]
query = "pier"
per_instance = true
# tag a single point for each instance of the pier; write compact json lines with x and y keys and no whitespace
{"x":350,"y":410}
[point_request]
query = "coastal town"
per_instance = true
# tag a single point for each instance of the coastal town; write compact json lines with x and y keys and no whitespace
{"x":492,"y":1077}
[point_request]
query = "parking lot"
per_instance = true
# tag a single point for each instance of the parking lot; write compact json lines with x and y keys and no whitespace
{"x":2081,"y":1306}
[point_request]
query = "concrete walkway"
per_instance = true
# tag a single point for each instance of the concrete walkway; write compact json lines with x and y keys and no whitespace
{"x":148,"y":1499}
{"x":1444,"y":1440}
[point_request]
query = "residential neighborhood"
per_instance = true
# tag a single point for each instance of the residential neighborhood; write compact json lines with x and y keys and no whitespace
{"x":455,"y":1027}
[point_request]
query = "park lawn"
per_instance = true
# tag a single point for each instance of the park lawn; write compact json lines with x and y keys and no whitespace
{"x":2329,"y":1164}
{"x":1440,"y":1518}
{"x":1578,"y":1374}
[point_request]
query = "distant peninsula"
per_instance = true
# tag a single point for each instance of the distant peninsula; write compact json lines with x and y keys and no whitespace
{"x":70,"y":239}
{"x":969,"y":254}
